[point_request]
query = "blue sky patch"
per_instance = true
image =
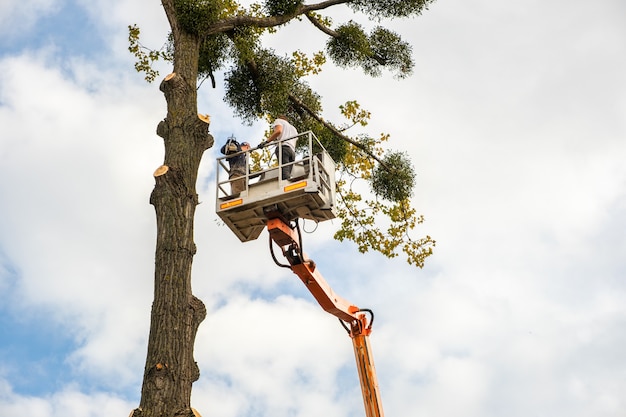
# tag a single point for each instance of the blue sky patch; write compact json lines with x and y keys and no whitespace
{"x":68,"y":28}
{"x":40,"y":347}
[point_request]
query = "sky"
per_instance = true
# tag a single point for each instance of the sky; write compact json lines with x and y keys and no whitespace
{"x":514,"y":119}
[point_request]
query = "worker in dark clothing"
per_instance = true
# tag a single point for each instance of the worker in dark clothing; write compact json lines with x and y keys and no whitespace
{"x":237,"y":164}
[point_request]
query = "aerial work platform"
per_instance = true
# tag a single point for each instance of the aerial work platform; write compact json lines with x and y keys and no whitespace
{"x":308,"y":193}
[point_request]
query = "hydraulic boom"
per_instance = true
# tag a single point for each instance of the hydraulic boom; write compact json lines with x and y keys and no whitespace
{"x":358,"y":322}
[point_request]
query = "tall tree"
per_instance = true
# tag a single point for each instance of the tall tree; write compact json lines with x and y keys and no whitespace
{"x":220,"y":37}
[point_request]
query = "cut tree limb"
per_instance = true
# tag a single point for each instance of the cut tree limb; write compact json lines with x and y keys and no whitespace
{"x":161,"y":170}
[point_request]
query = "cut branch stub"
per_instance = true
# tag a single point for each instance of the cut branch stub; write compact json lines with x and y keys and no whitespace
{"x":205,"y":139}
{"x":161,"y":170}
{"x":170,"y":181}
{"x":166,"y":81}
{"x":205,"y":118}
{"x":175,"y":88}
{"x":199,"y":310}
{"x":163,"y":129}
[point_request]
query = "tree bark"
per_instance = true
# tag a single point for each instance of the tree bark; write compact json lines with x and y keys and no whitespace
{"x":170,"y":368}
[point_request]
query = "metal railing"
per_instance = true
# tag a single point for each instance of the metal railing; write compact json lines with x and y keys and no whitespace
{"x":310,"y":161}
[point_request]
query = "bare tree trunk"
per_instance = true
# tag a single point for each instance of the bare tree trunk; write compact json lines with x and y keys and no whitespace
{"x":170,"y":368}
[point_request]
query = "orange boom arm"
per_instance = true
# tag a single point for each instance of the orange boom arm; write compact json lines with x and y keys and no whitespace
{"x":359,"y":324}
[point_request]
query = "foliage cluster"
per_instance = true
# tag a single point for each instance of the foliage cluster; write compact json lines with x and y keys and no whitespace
{"x":255,"y":90}
{"x":281,"y":7}
{"x":145,"y":56}
{"x":395,"y":179}
{"x":384,"y":222}
{"x":389,"y":8}
{"x":196,"y":16}
{"x":381,"y":49}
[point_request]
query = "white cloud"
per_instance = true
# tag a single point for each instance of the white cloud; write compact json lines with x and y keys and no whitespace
{"x":279,"y":353}
{"x":75,"y":222}
{"x":113,"y":19}
{"x":70,"y":402}
{"x":17,"y":16}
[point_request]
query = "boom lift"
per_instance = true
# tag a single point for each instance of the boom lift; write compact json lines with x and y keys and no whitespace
{"x":358,"y":322}
{"x":275,"y":204}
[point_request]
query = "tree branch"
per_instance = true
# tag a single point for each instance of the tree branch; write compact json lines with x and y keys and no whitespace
{"x":321,"y":27}
{"x":231,"y":23}
{"x":333,"y":129}
{"x":170,"y":12}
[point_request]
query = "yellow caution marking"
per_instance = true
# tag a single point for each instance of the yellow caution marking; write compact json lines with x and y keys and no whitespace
{"x":295,"y":186}
{"x":230,"y":204}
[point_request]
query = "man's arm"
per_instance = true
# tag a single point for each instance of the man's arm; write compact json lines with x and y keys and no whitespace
{"x":278,"y":129}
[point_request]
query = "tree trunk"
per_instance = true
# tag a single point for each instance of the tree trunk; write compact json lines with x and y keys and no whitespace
{"x":170,"y":368}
